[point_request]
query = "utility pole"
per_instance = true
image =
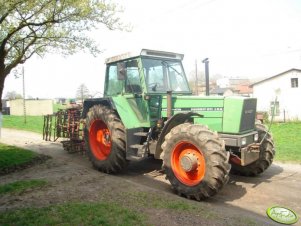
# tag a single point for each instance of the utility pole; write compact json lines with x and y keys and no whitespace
{"x":17,"y":75}
{"x":24,"y":104}
{"x":196,"y":78}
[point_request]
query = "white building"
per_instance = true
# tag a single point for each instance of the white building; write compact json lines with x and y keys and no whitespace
{"x":286,"y":87}
{"x":223,"y":82}
{"x":231,"y":82}
{"x":32,"y":107}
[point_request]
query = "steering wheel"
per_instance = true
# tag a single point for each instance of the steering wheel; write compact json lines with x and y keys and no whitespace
{"x":153,"y":86}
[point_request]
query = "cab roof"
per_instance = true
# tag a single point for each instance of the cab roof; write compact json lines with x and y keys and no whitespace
{"x":145,"y":52}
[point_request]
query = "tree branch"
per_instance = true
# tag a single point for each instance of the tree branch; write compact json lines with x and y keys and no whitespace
{"x":11,"y":9}
{"x":3,"y":17}
{"x":38,"y":11}
{"x":39,"y":26}
{"x":18,"y":60}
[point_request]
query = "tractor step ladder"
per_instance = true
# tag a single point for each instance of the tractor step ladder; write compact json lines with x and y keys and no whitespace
{"x":141,"y":134}
{"x":141,"y":149}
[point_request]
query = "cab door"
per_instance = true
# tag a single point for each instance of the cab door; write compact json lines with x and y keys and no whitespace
{"x":133,"y":89}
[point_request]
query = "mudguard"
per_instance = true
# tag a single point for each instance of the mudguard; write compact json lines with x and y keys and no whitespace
{"x":96,"y":101}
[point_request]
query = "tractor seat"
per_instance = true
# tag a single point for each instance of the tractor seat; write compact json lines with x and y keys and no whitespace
{"x":133,"y":88}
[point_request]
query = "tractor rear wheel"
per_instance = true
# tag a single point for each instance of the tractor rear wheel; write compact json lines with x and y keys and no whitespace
{"x":267,"y":153}
{"x":105,"y":139}
{"x":195,"y":161}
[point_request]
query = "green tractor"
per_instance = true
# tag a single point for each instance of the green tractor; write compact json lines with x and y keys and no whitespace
{"x":148,"y":110}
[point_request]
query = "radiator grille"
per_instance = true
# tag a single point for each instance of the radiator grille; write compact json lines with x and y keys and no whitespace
{"x":248,"y":115}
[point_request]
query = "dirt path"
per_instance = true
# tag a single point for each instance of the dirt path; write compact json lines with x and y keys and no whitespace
{"x":72,"y":178}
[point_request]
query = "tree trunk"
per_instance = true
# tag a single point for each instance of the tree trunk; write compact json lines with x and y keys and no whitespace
{"x":3,"y":73}
{"x":2,"y":79}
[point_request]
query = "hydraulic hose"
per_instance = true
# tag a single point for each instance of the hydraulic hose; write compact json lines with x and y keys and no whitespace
{"x":272,"y":119}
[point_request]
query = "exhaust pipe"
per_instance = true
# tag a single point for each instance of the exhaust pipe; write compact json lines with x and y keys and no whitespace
{"x":206,"y":62}
{"x":169,"y":104}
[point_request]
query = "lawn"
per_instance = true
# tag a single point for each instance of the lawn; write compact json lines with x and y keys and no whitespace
{"x":33,"y":123}
{"x":287,"y":141}
{"x":57,"y":107}
{"x":20,"y":186}
{"x":105,"y":214}
{"x":11,"y":156}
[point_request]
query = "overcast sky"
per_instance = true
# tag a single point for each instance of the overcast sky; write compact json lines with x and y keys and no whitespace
{"x":249,"y":38}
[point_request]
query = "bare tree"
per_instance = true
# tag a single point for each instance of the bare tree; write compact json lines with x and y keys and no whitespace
{"x":192,"y":80}
{"x":82,"y":92}
{"x":29,"y":27}
{"x":13,"y":95}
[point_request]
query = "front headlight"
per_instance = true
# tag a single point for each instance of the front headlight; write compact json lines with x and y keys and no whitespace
{"x":256,"y":137}
{"x":244,"y":141}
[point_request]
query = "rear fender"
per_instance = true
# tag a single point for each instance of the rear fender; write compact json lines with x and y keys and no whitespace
{"x":96,"y":101}
{"x":171,"y":123}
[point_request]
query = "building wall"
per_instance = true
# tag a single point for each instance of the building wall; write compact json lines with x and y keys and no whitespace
{"x":288,"y":97}
{"x":33,"y":107}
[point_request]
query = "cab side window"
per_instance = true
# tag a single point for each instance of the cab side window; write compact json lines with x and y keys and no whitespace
{"x":132,"y":83}
{"x":113,"y":85}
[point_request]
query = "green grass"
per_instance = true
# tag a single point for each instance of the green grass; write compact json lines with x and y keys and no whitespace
{"x":20,"y":186}
{"x":11,"y":156}
{"x":105,"y":214}
{"x":287,"y":138}
{"x":57,"y":107}
{"x":33,"y":123}
{"x":153,"y":200}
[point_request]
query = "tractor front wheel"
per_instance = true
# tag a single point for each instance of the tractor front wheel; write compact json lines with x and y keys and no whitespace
{"x":195,"y":161}
{"x":105,"y":139}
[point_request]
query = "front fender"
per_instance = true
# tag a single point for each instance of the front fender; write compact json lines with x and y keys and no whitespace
{"x":171,"y":123}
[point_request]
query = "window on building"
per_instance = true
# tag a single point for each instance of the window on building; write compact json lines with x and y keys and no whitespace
{"x":275,"y":108}
{"x":294,"y":82}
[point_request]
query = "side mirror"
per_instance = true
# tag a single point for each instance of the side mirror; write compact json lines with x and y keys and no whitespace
{"x":121,"y":71}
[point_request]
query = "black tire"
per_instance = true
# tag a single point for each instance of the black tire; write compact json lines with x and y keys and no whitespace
{"x":215,"y":159}
{"x":109,"y":154}
{"x":266,"y":156}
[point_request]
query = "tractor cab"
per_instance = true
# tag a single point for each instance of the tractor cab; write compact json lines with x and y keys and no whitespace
{"x":150,"y":72}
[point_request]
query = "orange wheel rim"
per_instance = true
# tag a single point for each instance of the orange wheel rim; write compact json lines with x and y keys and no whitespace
{"x":100,"y":140}
{"x":188,"y":163}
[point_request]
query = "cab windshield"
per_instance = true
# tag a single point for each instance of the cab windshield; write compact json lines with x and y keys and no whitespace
{"x":164,"y":75}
